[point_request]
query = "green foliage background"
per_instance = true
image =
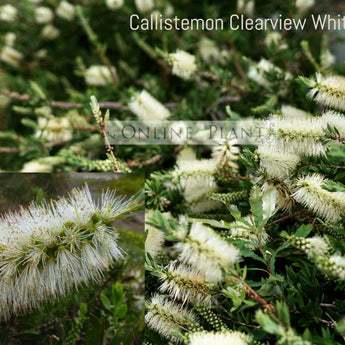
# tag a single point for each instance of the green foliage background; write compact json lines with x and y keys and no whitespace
{"x":98,"y":34}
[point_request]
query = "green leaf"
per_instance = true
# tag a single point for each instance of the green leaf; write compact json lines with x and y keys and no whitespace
{"x":283,"y":313}
{"x":304,"y":230}
{"x":83,"y":309}
{"x":246,"y":252}
{"x":117,"y":292}
{"x":255,"y":202}
{"x":106,"y":303}
{"x":268,"y":324}
{"x":122,"y":311}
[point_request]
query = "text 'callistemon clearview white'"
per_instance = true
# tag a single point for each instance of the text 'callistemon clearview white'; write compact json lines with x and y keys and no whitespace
{"x":47,"y":250}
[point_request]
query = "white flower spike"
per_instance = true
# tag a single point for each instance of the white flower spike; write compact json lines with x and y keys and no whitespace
{"x":48,"y":250}
{"x":183,"y":64}
{"x":220,"y":338}
{"x":327,"y":205}
{"x":328,"y":91}
{"x":182,"y":282}
{"x":147,"y":108}
{"x":207,"y":252}
{"x":164,"y":317}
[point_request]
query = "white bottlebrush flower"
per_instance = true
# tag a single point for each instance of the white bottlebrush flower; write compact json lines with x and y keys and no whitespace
{"x":41,"y":53}
{"x":43,"y":15}
{"x":310,"y":245}
{"x":336,"y":120}
{"x":50,"y":32}
{"x":183,"y":64}
{"x":208,"y":50}
{"x":258,"y":72}
{"x":300,"y":136}
{"x":189,"y":168}
{"x":11,"y":56}
{"x":196,"y":177}
{"x":114,"y":4}
{"x":338,"y":264}
{"x":65,"y":10}
{"x":203,"y":204}
{"x":333,"y":265}
{"x":207,"y":252}
{"x":144,"y":6}
{"x":277,"y":164}
{"x":303,"y":6}
{"x":54,"y":129}
{"x":147,"y":108}
{"x":10,"y":38}
{"x":220,"y":338}
{"x":327,"y":205}
{"x":49,"y":249}
{"x":42,"y":165}
{"x":246,"y":7}
{"x":327,"y":59}
{"x":8,"y":13}
{"x":164,"y":317}
{"x":328,"y":91}
{"x":193,"y":187}
{"x":273,"y":38}
{"x":226,"y":154}
{"x":196,"y":180}
{"x":289,"y":111}
{"x":182,"y":282}
{"x":169,"y":10}
{"x":36,"y":167}
{"x":98,"y":75}
{"x":186,"y":154}
{"x":155,"y":237}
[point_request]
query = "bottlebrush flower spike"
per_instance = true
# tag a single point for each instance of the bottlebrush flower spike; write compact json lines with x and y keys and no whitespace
{"x":196,"y":177}
{"x":226,"y":154}
{"x":327,"y":205}
{"x":220,"y":338}
{"x":277,"y":164}
{"x":65,"y":10}
{"x":207,"y":252}
{"x":155,"y":237}
{"x":296,"y":135}
{"x":328,"y":91}
{"x":48,"y":250}
{"x":336,"y":120}
{"x":258,"y":72}
{"x":184,"y":283}
{"x":164,"y":317}
{"x":147,"y":108}
{"x":183,"y":64}
{"x":333,"y":265}
{"x":316,"y":244}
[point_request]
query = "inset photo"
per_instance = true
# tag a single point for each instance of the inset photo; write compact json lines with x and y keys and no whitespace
{"x":71,"y":258}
